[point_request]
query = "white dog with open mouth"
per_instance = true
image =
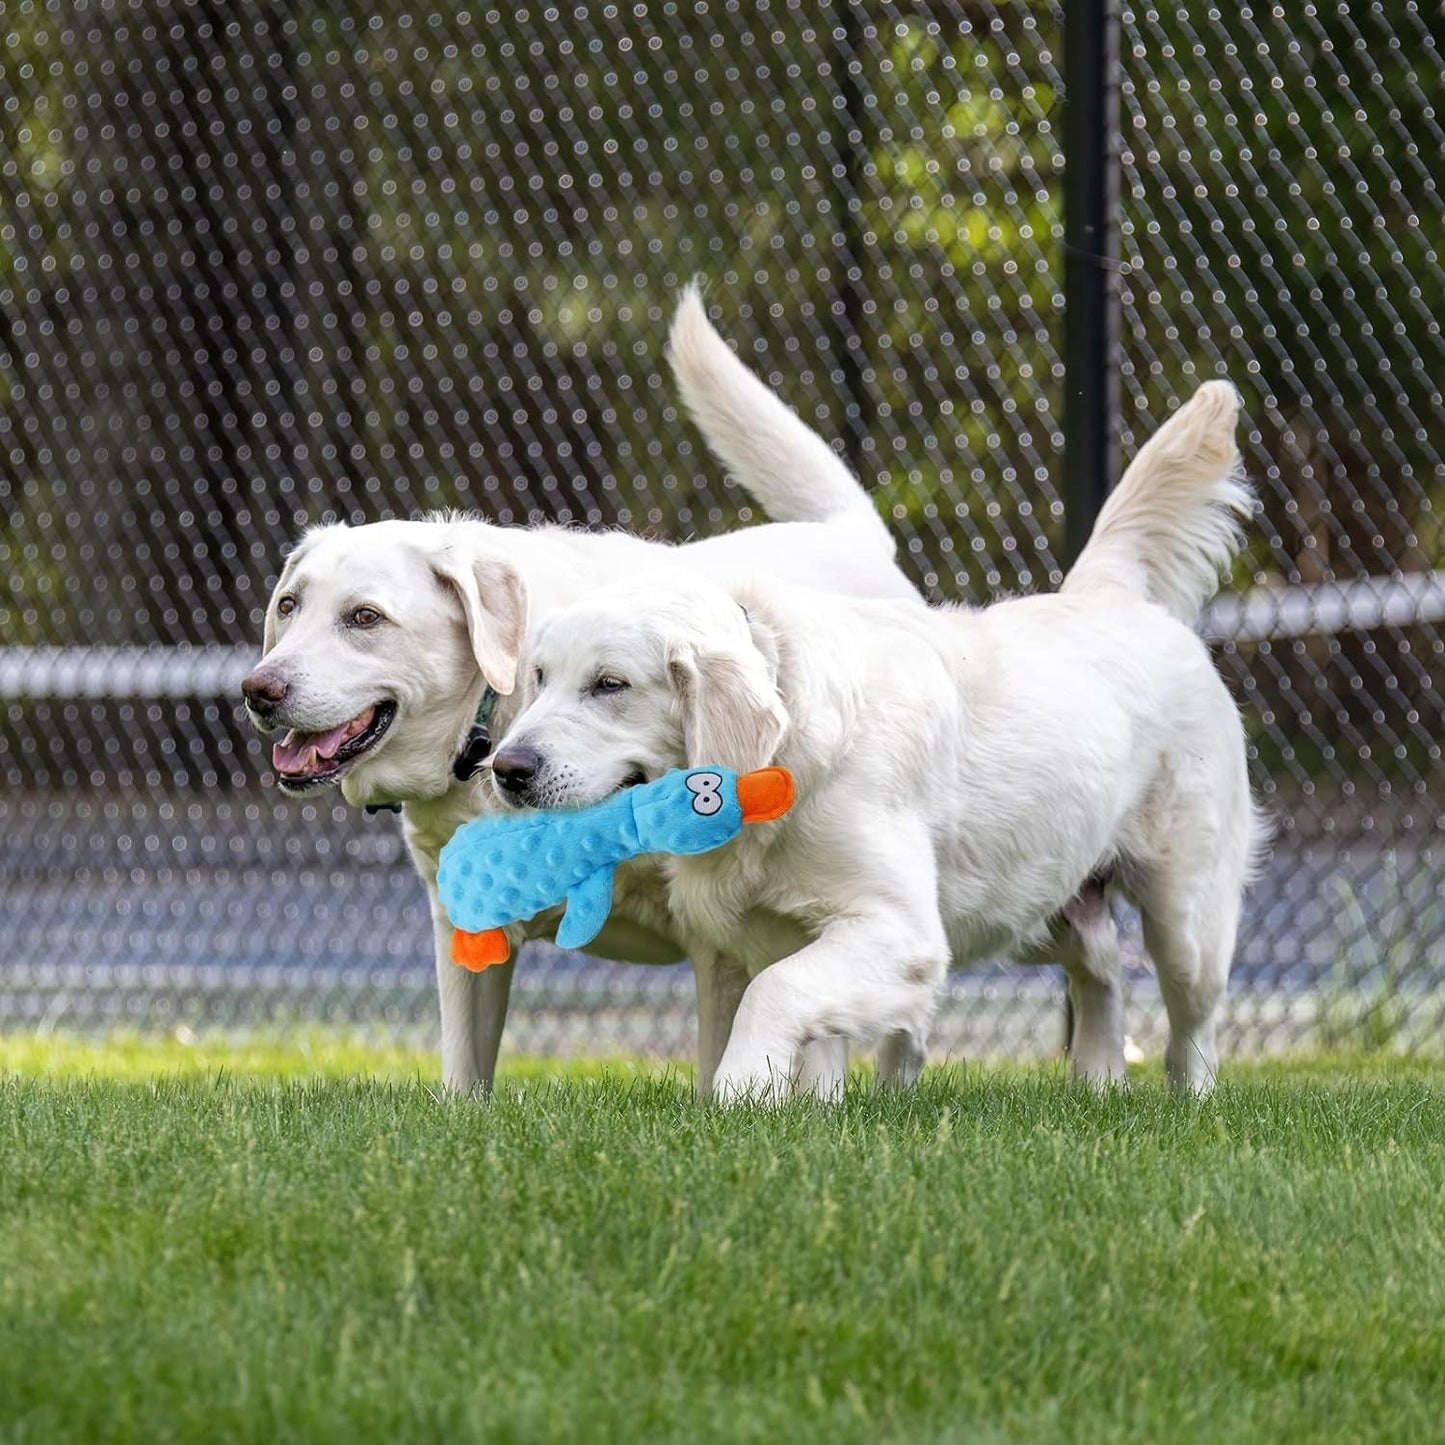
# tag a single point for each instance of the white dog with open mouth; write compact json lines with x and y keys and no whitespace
{"x":970,"y":783}
{"x":389,"y":647}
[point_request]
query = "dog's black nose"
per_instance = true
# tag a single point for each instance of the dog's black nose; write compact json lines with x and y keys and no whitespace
{"x":515,"y":767}
{"x":264,"y":689}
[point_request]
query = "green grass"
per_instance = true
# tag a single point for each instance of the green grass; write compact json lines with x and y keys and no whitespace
{"x":292,"y":1055}
{"x":278,"y":1252}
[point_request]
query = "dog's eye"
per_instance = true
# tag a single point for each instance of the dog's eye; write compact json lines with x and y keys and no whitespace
{"x":538,"y":678}
{"x":364,"y":617}
{"x":285,"y":606}
{"x":609,"y":683}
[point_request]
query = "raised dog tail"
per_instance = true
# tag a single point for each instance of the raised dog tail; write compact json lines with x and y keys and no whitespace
{"x":1171,"y":528}
{"x":788,"y":469}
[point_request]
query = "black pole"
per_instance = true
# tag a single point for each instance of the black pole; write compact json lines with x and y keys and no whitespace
{"x":1091,"y":264}
{"x":1091,"y":278}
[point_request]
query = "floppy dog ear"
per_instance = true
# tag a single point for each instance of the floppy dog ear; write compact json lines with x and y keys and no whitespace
{"x":494,"y":603}
{"x":312,"y":537}
{"x":732,"y":713}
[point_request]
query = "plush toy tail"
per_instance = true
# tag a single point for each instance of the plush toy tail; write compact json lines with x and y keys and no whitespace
{"x":765,"y":794}
{"x":477,"y":951}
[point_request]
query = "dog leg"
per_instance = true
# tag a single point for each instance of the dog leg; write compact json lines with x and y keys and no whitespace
{"x":901,"y":1057}
{"x":824,"y":1069}
{"x":1089,"y":951}
{"x":491,"y":994}
{"x":720,"y":983}
{"x":837,"y":985}
{"x":720,"y":986}
{"x":473,"y":1013}
{"x":871,"y":971}
{"x":1189,"y":931}
{"x":1096,"y":1050}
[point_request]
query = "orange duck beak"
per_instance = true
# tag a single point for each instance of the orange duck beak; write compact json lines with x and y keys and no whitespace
{"x":765,"y":794}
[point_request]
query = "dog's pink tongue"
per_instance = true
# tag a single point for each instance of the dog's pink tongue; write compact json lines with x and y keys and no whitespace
{"x":294,"y":753}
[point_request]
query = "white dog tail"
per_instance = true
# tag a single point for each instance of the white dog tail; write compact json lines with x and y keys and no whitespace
{"x":788,"y":469}
{"x":1171,"y":527}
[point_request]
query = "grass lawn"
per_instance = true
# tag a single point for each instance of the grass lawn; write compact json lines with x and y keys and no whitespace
{"x":217,"y":1244}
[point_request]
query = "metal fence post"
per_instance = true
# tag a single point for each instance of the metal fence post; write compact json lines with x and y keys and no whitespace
{"x":1091,"y":278}
{"x":1091,"y":274}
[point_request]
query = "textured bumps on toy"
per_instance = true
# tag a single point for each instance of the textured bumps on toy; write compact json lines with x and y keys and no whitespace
{"x":502,"y":869}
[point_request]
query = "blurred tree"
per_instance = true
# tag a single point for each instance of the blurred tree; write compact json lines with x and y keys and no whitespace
{"x":274,"y":261}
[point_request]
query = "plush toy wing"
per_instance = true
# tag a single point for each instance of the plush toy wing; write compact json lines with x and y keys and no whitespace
{"x":588,"y":905}
{"x":497,"y":870}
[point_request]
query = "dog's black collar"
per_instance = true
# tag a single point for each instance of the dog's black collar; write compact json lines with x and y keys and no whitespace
{"x":468,"y":762}
{"x":479,"y":741}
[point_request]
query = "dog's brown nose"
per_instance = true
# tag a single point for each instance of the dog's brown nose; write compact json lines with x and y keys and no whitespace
{"x":264,"y":688}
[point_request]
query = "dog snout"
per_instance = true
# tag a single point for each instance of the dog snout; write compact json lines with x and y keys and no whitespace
{"x":264,"y":689}
{"x":515,"y":768}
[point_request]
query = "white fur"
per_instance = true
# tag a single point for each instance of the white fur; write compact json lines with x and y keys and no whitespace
{"x":969,"y":783}
{"x":1172,"y":525}
{"x":457,"y":594}
{"x":758,"y":437}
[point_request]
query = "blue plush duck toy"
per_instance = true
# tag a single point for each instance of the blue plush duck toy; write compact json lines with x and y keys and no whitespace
{"x":497,"y":870}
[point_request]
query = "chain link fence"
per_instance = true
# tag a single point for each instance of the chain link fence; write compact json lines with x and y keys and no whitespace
{"x":273,"y":262}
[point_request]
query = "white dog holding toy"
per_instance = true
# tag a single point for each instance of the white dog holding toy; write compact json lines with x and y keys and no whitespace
{"x":969,"y":783}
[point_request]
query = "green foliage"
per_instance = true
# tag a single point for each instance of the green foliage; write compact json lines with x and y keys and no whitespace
{"x":964,"y":352}
{"x":996,"y":1257}
{"x":1280,"y":229}
{"x":453,"y":237}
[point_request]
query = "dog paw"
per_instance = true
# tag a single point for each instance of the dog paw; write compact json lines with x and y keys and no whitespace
{"x":768,"y":1088}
